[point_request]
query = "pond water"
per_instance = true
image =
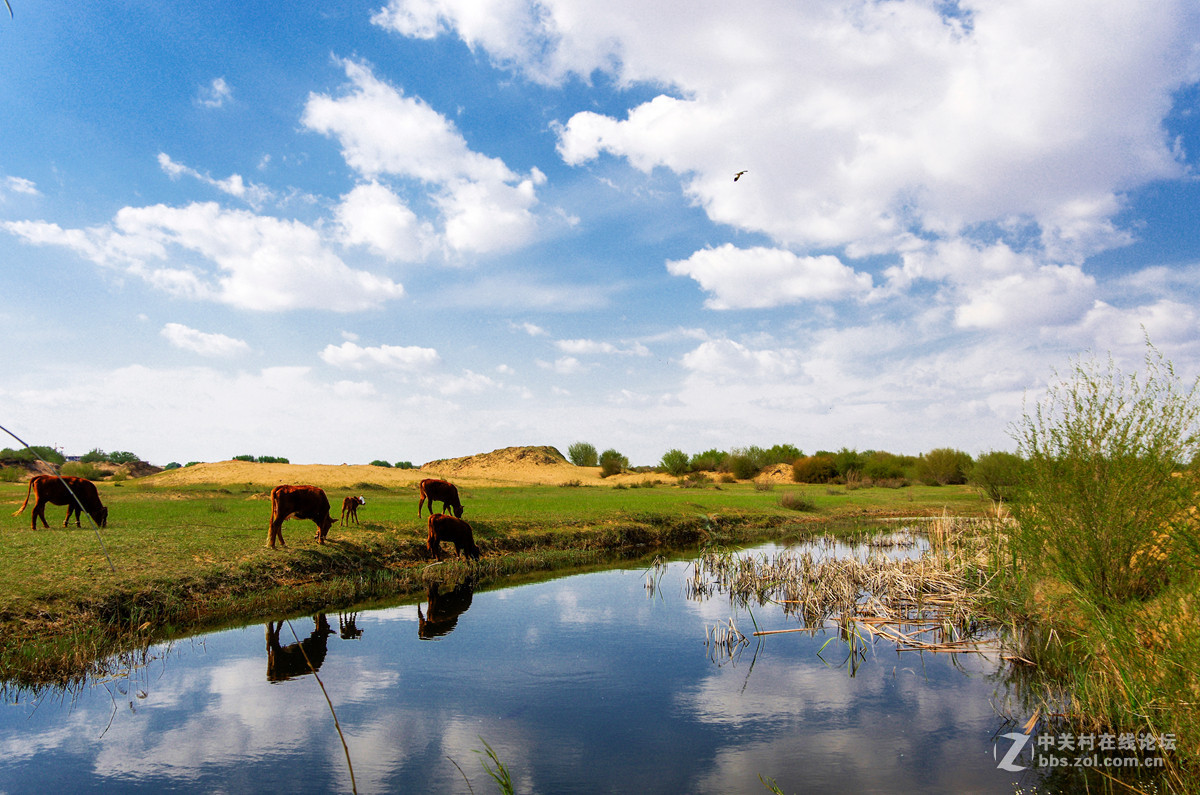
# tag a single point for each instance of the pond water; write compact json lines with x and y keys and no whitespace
{"x":589,"y":683}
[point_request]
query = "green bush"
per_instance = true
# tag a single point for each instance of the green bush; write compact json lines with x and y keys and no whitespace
{"x":94,"y":456}
{"x":849,"y":463}
{"x":820,"y":468}
{"x":404,"y":465}
{"x":1104,"y":503}
{"x":943,"y":467}
{"x":997,"y":475}
{"x":674,"y":462}
{"x":583,"y":454}
{"x":708,"y":461}
{"x":10,"y":474}
{"x":81,"y":469}
{"x":880,"y":465}
{"x":781,"y":454}
{"x":381,"y":463}
{"x":261,"y":459}
{"x":32,"y":453}
{"x":743,"y":466}
{"x":612,"y":463}
{"x":173,"y":465}
{"x":123,"y":457}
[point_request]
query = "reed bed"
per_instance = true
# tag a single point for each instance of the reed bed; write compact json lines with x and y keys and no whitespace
{"x":935,"y":602}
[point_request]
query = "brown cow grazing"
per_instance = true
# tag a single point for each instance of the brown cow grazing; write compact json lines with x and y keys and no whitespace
{"x":297,"y":659}
{"x":302,"y":502}
{"x":444,"y":492}
{"x":78,"y":494}
{"x":454,"y":530}
{"x":350,"y":508}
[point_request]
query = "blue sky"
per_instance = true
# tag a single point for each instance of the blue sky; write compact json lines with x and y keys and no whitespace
{"x":432,"y":228}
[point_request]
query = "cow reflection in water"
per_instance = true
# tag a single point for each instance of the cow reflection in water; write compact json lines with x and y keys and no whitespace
{"x":347,"y":628}
{"x":296,"y":659}
{"x":443,"y":609}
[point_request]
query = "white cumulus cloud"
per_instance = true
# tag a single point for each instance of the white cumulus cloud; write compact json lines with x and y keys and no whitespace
{"x":758,"y":277}
{"x":203,"y":343}
{"x":235,"y":257}
{"x":485,"y":206}
{"x":215,"y":94}
{"x":584,"y":347}
{"x":371,"y":215}
{"x":18,"y":185}
{"x":398,"y":357}
{"x":1049,"y":296}
{"x":254,"y":195}
{"x":727,"y":359}
{"x":862,"y":123}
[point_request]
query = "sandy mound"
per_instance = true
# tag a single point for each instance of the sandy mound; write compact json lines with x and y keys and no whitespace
{"x":512,"y":465}
{"x":508,"y":456}
{"x":268,"y":476}
{"x":779,"y":473}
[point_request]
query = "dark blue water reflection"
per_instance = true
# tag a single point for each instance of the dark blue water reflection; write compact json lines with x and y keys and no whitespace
{"x":585,"y":684}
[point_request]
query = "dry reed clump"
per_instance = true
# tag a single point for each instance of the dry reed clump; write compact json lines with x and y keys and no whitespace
{"x":725,"y":642}
{"x":794,"y":501}
{"x":930,"y":603}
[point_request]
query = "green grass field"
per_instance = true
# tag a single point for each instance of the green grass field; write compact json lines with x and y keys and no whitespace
{"x":185,"y":559}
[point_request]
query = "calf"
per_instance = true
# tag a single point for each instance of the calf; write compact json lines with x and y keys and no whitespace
{"x":452,"y":529}
{"x":444,"y":492}
{"x":302,"y":502}
{"x":350,"y":508}
{"x":78,"y":494}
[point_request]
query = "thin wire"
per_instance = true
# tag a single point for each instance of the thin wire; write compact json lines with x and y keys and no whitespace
{"x":54,"y":469}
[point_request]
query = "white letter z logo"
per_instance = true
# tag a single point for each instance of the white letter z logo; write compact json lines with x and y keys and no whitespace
{"x":1019,"y":740}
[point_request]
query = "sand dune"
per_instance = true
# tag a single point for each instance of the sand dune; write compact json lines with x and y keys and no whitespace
{"x":510,"y":465}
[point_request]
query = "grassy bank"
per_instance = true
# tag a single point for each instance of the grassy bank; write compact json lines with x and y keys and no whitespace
{"x":192,"y":558}
{"x":1090,"y":667}
{"x":1100,"y":572}
{"x":1097,"y":666}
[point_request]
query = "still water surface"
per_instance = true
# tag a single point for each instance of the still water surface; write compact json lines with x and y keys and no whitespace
{"x":590,"y":683}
